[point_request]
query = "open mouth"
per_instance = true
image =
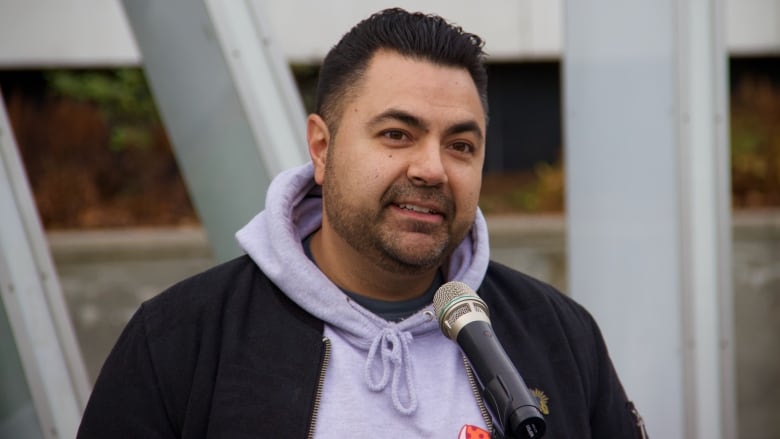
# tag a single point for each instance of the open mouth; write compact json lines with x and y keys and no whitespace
{"x":418,"y":209}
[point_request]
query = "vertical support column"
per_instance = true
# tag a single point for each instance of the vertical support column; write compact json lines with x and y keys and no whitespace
{"x":705,"y":189}
{"x":647,"y":205}
{"x":228,"y":101}
{"x":43,"y":344}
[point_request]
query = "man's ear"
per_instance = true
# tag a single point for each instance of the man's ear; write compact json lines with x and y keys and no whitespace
{"x":318,"y":137}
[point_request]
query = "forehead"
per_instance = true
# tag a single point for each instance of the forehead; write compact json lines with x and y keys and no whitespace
{"x":392,"y":80}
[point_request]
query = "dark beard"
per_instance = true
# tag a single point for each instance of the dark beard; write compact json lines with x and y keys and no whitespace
{"x":363,"y":229}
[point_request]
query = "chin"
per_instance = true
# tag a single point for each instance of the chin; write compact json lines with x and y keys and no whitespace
{"x":413,"y":263}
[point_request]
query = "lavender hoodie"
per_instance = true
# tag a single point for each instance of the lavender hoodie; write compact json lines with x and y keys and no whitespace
{"x":384,"y":379}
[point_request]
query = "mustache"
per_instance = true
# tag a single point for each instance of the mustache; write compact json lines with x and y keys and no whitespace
{"x":431,"y":196}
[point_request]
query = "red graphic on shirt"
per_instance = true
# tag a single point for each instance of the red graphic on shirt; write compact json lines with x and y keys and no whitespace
{"x":472,"y":432}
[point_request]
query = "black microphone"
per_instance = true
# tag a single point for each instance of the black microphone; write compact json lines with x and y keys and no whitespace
{"x":463,"y":318}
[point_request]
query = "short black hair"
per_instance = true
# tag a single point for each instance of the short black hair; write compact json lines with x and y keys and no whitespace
{"x":416,"y":35}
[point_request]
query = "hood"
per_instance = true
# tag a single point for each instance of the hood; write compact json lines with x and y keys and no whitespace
{"x":273,"y":239}
{"x":293,"y":211}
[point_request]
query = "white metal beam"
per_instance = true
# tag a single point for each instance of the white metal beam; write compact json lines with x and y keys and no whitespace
{"x":648,"y":202}
{"x":35,"y":308}
{"x":705,"y":189}
{"x":228,"y":101}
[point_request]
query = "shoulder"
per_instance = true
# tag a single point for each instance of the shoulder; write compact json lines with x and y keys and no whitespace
{"x":508,"y":289}
{"x":202,"y":295}
{"x":192,"y":340}
{"x":557,"y":345}
{"x":228,"y":296}
{"x":524,"y":308}
{"x":211,"y":284}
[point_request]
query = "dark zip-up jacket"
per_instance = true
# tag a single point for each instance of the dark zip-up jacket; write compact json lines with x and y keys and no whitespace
{"x":226,"y":354}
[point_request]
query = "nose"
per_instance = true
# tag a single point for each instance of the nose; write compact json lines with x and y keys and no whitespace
{"x":427,"y":167}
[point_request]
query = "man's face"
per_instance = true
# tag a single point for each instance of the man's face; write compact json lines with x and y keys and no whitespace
{"x":402,"y":174}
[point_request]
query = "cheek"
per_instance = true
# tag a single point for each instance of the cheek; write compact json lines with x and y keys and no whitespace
{"x":363,"y":177}
{"x":467,"y":184}
{"x":378,"y":168}
{"x":467,"y":198}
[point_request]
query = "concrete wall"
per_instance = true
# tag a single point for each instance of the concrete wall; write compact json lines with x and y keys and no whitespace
{"x":105,"y":275}
{"x":38,"y":33}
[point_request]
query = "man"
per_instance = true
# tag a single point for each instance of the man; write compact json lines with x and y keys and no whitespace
{"x":324,"y":328}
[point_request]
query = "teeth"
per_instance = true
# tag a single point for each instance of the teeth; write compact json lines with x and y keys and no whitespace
{"x":414,"y":208}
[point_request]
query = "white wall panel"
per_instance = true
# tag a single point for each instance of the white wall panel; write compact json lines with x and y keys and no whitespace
{"x":95,"y":32}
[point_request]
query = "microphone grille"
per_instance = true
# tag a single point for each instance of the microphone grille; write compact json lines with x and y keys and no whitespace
{"x":456,"y":305}
{"x":449,"y":291}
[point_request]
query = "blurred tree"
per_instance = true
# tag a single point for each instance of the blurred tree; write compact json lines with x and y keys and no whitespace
{"x":97,"y":153}
{"x":123,"y":97}
{"x":755,"y":143}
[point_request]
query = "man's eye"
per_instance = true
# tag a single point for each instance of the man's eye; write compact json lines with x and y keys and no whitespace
{"x":463,"y":147}
{"x":394,"y":135}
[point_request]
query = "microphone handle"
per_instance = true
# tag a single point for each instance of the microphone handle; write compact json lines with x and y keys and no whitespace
{"x":503,"y":388}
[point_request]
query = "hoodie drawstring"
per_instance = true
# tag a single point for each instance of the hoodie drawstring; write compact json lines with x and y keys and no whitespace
{"x":392,"y":348}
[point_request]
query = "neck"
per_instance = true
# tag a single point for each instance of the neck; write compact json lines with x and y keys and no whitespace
{"x":355,"y":272}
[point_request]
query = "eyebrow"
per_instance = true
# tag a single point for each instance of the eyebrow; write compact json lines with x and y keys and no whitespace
{"x":465,"y":127}
{"x":409,"y":119}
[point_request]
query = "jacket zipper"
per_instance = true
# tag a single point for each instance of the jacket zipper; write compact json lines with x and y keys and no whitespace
{"x":640,"y":423}
{"x":320,"y":384}
{"x":477,"y":394}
